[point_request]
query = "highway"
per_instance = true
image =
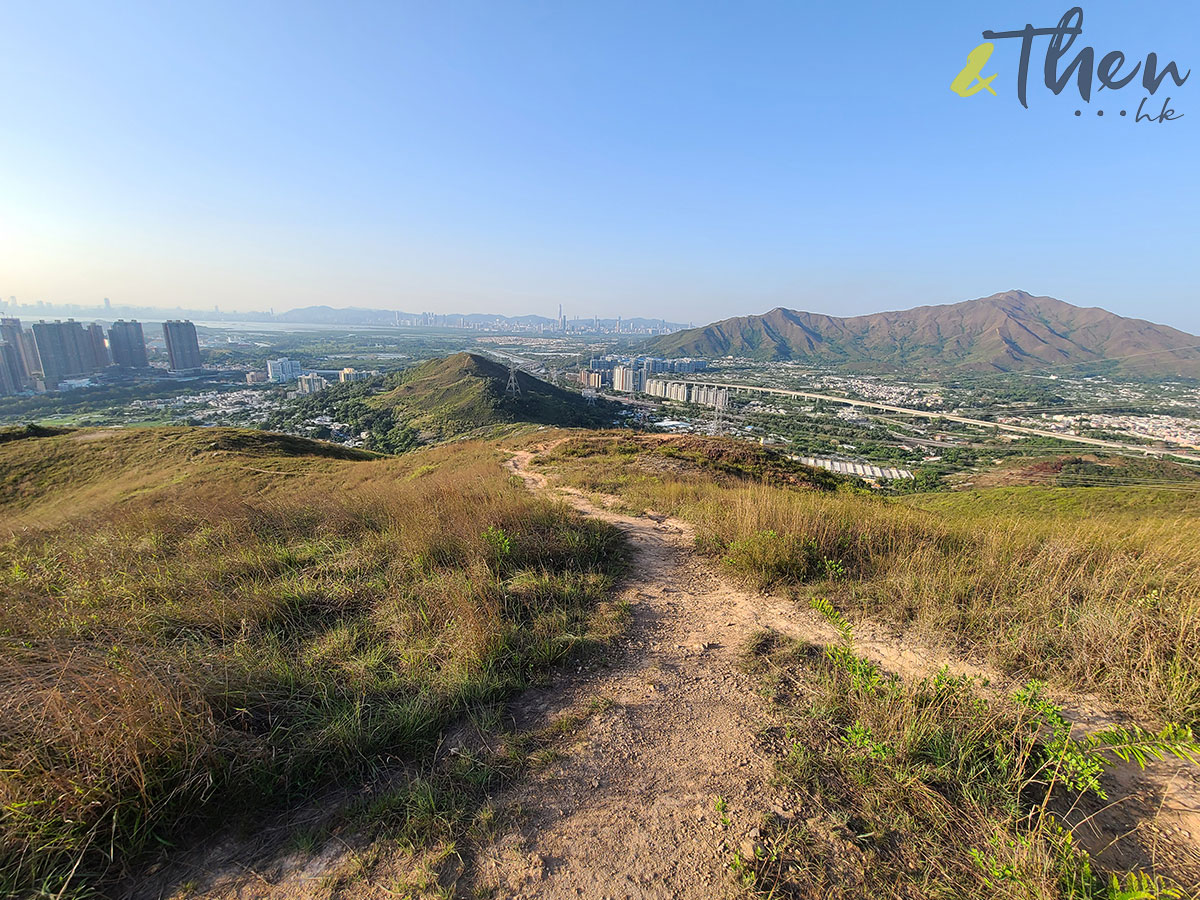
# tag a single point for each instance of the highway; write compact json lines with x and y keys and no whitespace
{"x":981,"y":423}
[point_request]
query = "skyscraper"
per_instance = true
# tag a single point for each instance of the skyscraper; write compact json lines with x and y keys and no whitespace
{"x":65,"y":349}
{"x":127,"y":344}
{"x":12,"y":333}
{"x":98,"y":349}
{"x":12,"y":374}
{"x":183,"y":349}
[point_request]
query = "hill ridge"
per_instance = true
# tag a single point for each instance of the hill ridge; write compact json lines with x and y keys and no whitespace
{"x":1009,"y":331}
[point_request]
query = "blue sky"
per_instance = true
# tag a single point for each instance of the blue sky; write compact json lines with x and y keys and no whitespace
{"x":685,"y":160}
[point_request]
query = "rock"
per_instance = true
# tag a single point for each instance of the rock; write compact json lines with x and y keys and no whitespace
{"x":751,"y":849}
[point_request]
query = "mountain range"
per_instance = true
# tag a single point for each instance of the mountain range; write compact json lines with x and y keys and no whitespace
{"x":1007,"y":332}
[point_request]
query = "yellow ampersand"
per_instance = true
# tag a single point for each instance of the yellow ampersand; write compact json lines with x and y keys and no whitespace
{"x":976,"y":60}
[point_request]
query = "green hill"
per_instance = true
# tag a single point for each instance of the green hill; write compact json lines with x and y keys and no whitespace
{"x":1007,"y":332}
{"x":461,"y":393}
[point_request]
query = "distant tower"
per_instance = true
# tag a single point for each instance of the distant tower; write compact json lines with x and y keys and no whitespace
{"x":514,"y":388}
{"x":183,"y":348}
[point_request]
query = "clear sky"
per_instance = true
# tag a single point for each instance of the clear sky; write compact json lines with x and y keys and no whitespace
{"x":689,"y":160}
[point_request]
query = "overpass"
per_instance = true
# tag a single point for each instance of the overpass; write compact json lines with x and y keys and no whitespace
{"x":926,"y":414}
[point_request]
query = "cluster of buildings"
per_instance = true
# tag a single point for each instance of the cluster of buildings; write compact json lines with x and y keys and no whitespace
{"x":687,"y":392}
{"x":631,"y":375}
{"x":1152,"y":427}
{"x":538,"y":324}
{"x":52,"y":356}
{"x":308,"y":381}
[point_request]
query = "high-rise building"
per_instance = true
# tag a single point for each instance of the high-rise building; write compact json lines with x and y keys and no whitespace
{"x":12,"y":333}
{"x":626,"y":379}
{"x":283,"y":369}
{"x":127,"y":344}
{"x":33,"y":362}
{"x":352,"y":374}
{"x":12,"y":372}
{"x":183,"y":348}
{"x":65,"y":349}
{"x":310,"y":384}
{"x":99,"y":349}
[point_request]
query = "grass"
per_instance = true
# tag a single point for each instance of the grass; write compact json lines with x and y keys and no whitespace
{"x":924,"y":789}
{"x":1089,"y":588}
{"x":197,"y":626}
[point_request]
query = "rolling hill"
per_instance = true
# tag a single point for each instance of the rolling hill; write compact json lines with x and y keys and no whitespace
{"x":460,"y":393}
{"x":1006,"y":332}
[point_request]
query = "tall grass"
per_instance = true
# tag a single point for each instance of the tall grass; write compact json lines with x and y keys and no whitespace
{"x":220,"y":645}
{"x":1106,"y":599}
{"x":926,"y":788}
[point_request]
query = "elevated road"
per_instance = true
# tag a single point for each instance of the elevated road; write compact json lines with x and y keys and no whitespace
{"x":980,"y":423}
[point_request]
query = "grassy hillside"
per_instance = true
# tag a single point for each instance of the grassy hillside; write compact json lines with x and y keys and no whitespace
{"x":1094,"y":588}
{"x":1008,"y":332}
{"x":196,"y":625}
{"x":464,"y":392}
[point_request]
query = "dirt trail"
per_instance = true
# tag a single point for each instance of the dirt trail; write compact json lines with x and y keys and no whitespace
{"x":630,"y":810}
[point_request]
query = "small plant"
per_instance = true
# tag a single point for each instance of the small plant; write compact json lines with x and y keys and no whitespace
{"x":722,"y":808}
{"x":834,"y":618}
{"x":859,"y":736}
{"x":1140,"y":886}
{"x":499,"y":544}
{"x":1078,"y":764}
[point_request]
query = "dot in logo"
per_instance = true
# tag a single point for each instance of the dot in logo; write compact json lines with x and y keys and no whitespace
{"x":1122,"y":112}
{"x":1077,"y":112}
{"x":1099,"y":112}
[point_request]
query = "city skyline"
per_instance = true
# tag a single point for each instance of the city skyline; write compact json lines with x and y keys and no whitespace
{"x":685,"y":163}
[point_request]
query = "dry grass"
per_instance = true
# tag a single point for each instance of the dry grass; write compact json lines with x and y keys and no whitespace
{"x":230,"y":624}
{"x":919,"y":789}
{"x":1095,"y":588}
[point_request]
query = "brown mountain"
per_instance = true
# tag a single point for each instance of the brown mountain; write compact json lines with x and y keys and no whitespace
{"x":1008,"y":332}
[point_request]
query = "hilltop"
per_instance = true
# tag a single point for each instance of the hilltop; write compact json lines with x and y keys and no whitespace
{"x":446,"y":397}
{"x":1007,"y":332}
{"x":235,"y":663}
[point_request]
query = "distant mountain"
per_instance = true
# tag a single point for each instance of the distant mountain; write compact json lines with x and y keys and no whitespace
{"x":353,"y":315}
{"x":463,"y":392}
{"x":1008,"y":332}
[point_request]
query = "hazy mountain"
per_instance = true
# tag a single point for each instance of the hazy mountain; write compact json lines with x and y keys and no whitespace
{"x":1012,"y":331}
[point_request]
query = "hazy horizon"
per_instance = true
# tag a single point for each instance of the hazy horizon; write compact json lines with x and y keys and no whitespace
{"x":658,"y":160}
{"x":100,"y":308}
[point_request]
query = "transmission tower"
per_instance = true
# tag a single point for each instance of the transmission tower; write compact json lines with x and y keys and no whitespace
{"x":514,"y":388}
{"x":718,"y":409}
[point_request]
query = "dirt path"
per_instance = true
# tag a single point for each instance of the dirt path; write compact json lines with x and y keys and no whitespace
{"x":663,"y":781}
{"x":630,"y":811}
